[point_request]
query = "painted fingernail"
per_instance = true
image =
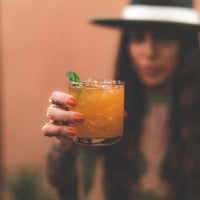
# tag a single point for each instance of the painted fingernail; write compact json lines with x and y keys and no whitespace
{"x":71,"y":101}
{"x":71,"y":131}
{"x":79,"y":118}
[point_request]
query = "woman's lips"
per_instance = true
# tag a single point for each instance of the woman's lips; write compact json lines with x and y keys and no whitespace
{"x":151,"y":70}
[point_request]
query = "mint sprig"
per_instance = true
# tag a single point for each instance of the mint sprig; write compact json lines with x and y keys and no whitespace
{"x":73,"y":77}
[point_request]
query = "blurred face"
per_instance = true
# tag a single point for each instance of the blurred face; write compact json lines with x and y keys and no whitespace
{"x":154,"y":54}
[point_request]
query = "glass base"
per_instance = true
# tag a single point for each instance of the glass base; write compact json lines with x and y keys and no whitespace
{"x":96,"y":142}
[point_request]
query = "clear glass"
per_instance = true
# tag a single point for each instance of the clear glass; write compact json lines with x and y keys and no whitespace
{"x":102,"y":104}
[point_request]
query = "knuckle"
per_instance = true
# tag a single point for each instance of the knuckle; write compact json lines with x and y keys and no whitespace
{"x":53,"y":112}
{"x":45,"y":129}
{"x":66,"y":116}
{"x":59,"y":132}
{"x":58,"y":98}
{"x":62,"y":132}
{"x":53,"y":94}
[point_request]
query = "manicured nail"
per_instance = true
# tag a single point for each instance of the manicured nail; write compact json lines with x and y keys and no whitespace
{"x":71,"y":101}
{"x":71,"y":131}
{"x":79,"y":118}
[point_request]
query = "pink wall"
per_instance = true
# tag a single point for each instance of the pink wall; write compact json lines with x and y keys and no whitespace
{"x":197,"y":4}
{"x":41,"y":41}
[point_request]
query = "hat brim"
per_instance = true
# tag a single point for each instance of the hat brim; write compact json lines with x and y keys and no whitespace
{"x":125,"y":23}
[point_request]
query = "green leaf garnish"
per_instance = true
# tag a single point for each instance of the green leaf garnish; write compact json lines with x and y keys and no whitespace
{"x":73,"y":77}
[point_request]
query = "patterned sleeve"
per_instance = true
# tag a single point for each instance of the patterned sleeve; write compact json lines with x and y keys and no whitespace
{"x":61,"y":168}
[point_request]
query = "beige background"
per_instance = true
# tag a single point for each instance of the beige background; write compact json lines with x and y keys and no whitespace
{"x":41,"y":41}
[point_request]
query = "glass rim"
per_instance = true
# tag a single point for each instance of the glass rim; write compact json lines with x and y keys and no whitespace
{"x":98,"y":82}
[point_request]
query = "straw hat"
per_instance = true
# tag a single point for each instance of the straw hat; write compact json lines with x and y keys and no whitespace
{"x":162,"y":12}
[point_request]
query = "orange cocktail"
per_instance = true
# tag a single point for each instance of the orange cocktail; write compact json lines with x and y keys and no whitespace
{"x":102,"y":104}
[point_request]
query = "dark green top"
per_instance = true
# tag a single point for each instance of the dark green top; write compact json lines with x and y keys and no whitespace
{"x":88,"y":160}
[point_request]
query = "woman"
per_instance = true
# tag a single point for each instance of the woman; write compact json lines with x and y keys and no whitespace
{"x":158,"y":157}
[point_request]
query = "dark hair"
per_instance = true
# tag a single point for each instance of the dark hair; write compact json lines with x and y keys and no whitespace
{"x":182,"y":164}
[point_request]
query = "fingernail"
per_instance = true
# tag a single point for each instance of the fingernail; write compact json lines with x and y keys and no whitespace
{"x":79,"y":118}
{"x":71,"y":131}
{"x":71,"y":101}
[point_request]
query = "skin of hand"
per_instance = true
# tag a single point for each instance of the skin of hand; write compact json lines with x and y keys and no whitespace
{"x":59,"y":116}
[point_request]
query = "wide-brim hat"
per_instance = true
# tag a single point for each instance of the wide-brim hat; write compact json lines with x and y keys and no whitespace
{"x":177,"y":14}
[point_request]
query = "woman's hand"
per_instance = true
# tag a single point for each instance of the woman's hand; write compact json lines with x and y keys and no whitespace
{"x":59,"y":117}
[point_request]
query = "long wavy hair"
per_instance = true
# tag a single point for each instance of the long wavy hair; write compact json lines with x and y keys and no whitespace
{"x":182,"y":164}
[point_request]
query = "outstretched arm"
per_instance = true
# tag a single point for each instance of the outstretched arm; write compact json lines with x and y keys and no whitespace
{"x":62,"y":173}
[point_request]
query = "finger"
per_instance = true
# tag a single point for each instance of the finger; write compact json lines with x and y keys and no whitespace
{"x":58,"y":114}
{"x":62,"y":99}
{"x":51,"y":130}
{"x":48,"y":110}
